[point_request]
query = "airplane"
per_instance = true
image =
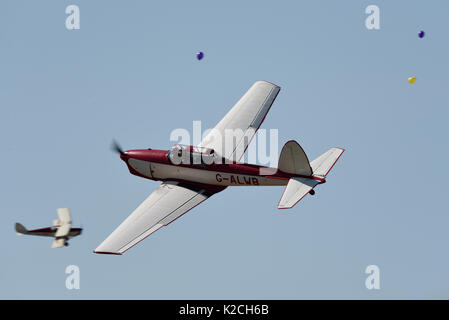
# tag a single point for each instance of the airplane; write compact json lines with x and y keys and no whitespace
{"x":192,"y":174}
{"x":62,"y":229}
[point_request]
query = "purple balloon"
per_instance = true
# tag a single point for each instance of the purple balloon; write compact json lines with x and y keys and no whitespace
{"x":421,"y":34}
{"x":199,"y":55}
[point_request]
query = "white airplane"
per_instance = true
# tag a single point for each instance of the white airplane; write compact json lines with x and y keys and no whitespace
{"x":191,"y":174}
{"x":61,"y":231}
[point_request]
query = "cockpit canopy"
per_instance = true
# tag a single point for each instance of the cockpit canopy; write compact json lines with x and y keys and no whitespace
{"x":192,"y":155}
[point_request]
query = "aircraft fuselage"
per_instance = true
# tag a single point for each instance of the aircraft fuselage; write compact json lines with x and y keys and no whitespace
{"x":156,"y":165}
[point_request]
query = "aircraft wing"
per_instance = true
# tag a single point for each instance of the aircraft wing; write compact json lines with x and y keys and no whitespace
{"x":244,"y":119}
{"x":64,"y":215}
{"x":58,"y":243}
{"x":167,"y":203}
{"x":63,"y":230}
{"x":66,"y":223}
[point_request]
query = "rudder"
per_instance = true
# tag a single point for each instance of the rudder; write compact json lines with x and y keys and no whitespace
{"x":20,"y":229}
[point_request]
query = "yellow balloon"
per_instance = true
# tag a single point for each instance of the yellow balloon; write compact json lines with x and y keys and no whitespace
{"x":412,"y":79}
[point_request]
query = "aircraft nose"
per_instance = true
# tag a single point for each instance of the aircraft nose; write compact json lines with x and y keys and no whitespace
{"x":124,"y":156}
{"x":139,"y":154}
{"x":131,"y":154}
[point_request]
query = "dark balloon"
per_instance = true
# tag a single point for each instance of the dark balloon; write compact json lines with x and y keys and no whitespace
{"x":421,"y":34}
{"x":199,"y":55}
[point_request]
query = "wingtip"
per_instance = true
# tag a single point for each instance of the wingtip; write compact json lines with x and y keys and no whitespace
{"x":265,"y":81}
{"x":283,"y":208}
{"x":105,"y":252}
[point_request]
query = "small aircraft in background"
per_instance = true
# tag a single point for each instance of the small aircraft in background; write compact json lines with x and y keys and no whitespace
{"x":62,"y":229}
{"x":211,"y":167}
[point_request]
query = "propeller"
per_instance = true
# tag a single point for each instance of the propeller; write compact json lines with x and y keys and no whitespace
{"x":117,"y":148}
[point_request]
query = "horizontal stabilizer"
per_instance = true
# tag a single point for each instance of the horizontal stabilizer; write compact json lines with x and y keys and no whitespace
{"x":296,"y":189}
{"x":324,"y":163}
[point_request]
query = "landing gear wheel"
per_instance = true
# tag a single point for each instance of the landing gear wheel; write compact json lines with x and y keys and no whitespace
{"x":312,"y":192}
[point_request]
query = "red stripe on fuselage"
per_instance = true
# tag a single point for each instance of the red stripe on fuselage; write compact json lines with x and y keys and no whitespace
{"x":161,"y":156}
{"x":48,"y":229}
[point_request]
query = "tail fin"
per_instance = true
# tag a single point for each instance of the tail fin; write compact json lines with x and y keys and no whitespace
{"x":324,"y":163}
{"x":20,"y":229}
{"x":293,"y":160}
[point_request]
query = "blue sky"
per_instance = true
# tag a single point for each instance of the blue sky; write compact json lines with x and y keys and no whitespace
{"x":130,"y":73}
